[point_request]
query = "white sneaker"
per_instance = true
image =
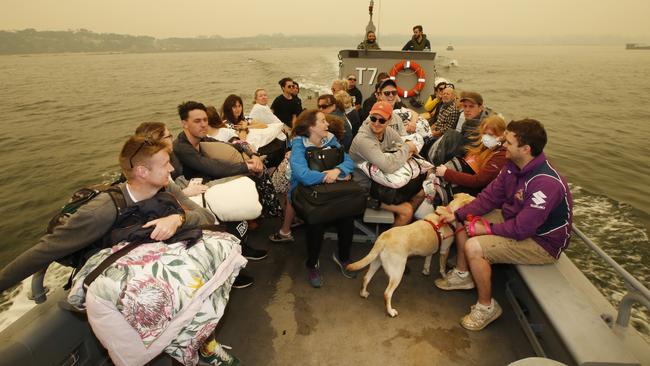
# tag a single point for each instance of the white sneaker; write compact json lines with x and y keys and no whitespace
{"x":453,"y":281}
{"x":480,"y":316}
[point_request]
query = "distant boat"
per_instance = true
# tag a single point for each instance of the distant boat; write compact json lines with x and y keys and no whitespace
{"x":450,"y":47}
{"x":633,"y":46}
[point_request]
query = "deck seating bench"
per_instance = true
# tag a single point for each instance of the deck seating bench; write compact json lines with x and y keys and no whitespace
{"x":573,"y":307}
{"x":369,"y":225}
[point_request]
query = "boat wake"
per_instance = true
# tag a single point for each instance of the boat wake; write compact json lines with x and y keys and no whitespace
{"x":615,"y":227}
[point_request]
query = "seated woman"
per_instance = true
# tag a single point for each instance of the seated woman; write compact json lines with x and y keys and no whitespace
{"x":261,"y":111}
{"x":484,"y":159}
{"x":310,"y":132}
{"x":369,"y":145}
{"x":343,"y":98}
{"x":329,"y":105}
{"x":432,"y":105}
{"x":335,"y":126}
{"x":232,"y":114}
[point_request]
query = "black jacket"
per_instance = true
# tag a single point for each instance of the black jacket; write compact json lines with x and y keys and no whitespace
{"x":197,"y":165}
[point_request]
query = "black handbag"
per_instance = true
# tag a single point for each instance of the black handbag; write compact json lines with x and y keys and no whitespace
{"x":329,"y":202}
{"x":395,"y":196}
{"x":321,"y":159}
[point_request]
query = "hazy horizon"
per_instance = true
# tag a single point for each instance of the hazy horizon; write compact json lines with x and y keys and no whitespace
{"x":471,"y":19}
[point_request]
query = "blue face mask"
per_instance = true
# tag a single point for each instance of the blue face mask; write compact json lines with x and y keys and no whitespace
{"x":490,"y":141}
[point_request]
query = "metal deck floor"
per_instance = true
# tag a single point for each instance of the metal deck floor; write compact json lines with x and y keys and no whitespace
{"x":282,"y":320}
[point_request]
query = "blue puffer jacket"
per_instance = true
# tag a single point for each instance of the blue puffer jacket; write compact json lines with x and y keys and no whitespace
{"x":300,"y":172}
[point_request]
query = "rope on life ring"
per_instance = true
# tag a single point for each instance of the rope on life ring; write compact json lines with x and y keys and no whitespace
{"x":407,"y":64}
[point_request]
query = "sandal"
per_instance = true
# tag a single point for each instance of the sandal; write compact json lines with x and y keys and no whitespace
{"x":278,"y":237}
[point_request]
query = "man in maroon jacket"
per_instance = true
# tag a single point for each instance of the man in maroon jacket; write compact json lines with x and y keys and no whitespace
{"x":528,"y":213}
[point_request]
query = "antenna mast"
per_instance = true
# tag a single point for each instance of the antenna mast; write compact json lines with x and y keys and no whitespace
{"x":371,"y":26}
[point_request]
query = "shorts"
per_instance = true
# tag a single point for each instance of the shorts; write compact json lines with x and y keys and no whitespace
{"x":499,"y":249}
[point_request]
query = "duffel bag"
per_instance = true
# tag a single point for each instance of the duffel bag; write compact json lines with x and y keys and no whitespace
{"x":328,"y":202}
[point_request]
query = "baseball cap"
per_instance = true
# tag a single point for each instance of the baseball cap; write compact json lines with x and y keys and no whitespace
{"x":383,"y":109}
{"x":471,"y":96}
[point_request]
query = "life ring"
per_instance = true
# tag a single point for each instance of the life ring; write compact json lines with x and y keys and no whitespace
{"x":402,"y":65}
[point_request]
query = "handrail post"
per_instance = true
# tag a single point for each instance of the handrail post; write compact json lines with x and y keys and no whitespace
{"x":626,"y":304}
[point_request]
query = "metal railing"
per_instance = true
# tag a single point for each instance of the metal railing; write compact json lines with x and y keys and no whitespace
{"x":636,"y":291}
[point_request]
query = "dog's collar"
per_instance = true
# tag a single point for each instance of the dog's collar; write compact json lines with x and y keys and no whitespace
{"x":437,"y":228}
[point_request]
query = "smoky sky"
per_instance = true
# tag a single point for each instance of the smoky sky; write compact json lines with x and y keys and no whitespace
{"x":468,"y":18}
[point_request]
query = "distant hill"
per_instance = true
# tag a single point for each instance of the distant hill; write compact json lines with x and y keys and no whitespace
{"x":83,"y":40}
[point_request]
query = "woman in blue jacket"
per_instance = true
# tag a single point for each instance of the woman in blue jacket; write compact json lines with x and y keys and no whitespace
{"x":310,"y":132}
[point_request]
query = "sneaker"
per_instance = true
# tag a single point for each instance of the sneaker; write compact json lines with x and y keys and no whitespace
{"x":315,"y":279}
{"x":242,"y":281}
{"x":219,"y":357}
{"x":453,"y":281}
{"x":480,"y":316}
{"x":278,"y":237}
{"x":252,"y":253}
{"x":342,"y":265}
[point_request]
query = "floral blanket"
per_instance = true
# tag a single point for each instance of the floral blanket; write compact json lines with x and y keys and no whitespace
{"x":159,"y":297}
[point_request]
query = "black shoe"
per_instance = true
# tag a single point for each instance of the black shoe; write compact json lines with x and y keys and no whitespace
{"x":242,"y":281}
{"x":252,"y":253}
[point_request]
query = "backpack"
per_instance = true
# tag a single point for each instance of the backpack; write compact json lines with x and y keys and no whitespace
{"x":77,"y":259}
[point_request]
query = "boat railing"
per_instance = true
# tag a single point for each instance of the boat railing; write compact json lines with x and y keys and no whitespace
{"x":636,"y":291}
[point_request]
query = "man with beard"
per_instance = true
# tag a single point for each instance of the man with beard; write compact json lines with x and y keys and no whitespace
{"x":419,"y":42}
{"x":370,"y":43}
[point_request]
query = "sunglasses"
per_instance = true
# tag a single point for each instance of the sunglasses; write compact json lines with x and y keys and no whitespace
{"x":352,"y":79}
{"x":323,"y":106}
{"x":388,"y":93}
{"x":145,"y":142}
{"x":292,"y":86}
{"x":377,"y":119}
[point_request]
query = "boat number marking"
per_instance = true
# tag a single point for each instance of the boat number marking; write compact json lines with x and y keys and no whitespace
{"x":360,"y":71}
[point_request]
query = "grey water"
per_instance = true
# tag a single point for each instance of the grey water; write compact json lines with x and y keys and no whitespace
{"x":64,"y":117}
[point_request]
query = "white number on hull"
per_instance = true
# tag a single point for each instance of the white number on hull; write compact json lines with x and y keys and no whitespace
{"x":360,"y":71}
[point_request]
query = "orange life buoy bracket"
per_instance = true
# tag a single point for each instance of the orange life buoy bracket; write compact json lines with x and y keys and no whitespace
{"x":402,"y":65}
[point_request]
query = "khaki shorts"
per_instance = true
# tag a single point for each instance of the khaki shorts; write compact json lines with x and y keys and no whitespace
{"x":499,"y":249}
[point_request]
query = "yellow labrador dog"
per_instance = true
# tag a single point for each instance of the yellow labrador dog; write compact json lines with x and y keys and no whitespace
{"x":394,"y":246}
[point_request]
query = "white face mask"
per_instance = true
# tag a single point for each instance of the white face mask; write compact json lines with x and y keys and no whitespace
{"x":489,"y":141}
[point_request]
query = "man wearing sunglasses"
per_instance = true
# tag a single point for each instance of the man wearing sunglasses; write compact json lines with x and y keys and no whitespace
{"x":354,"y":91}
{"x":382,"y":146}
{"x":285,"y":105}
{"x":404,"y":120}
{"x":145,"y":164}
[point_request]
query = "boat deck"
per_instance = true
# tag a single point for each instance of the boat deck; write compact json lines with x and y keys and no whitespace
{"x":282,"y":320}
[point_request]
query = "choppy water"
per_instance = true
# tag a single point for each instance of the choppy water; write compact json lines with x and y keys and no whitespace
{"x":64,"y":118}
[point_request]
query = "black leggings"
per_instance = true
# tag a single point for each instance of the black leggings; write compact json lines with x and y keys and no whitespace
{"x":315,"y":233}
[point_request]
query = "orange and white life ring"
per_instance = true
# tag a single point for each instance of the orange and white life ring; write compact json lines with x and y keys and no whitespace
{"x":402,"y":65}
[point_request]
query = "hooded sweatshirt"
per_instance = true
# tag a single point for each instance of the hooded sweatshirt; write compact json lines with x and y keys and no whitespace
{"x":535,"y":202}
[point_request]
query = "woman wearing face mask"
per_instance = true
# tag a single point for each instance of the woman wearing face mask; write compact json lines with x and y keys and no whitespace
{"x":483,"y":161}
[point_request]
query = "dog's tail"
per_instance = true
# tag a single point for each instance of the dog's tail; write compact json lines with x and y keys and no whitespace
{"x":374,"y":252}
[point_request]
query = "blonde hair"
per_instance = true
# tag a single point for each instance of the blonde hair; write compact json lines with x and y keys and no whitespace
{"x":344,"y":98}
{"x":482,"y":153}
{"x":340,"y":84}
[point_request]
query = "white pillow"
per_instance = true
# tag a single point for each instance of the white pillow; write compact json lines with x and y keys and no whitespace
{"x":259,"y":137}
{"x":233,"y":200}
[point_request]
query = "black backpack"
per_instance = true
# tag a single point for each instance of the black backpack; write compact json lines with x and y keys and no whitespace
{"x":79,"y":198}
